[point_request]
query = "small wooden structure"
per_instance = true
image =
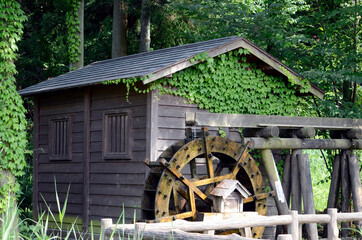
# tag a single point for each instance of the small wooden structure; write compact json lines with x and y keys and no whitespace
{"x":96,"y":137}
{"x":228,"y":196}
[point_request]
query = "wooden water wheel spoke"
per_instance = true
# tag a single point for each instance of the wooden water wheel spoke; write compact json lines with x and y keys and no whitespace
{"x":245,"y":156}
{"x":217,"y":173}
{"x":185,"y":181}
{"x":183,"y":190}
{"x":176,"y":200}
{"x":208,"y":155}
{"x":258,"y":197}
{"x":180,"y":191}
{"x":213,"y":180}
{"x":192,"y":203}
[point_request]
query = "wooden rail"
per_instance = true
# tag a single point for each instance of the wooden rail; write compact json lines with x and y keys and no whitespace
{"x":180,"y":229}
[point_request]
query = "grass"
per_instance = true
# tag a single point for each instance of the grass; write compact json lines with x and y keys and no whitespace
{"x":321,"y":177}
{"x":11,"y":228}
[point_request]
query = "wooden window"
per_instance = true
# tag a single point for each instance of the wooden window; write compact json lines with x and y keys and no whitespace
{"x":60,"y":145}
{"x":116,"y":135}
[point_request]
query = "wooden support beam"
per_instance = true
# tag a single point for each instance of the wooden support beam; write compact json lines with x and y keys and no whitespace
{"x":271,"y":170}
{"x":356,"y":186}
{"x":307,"y":193}
{"x":355,"y":133}
{"x":266,"y":132}
{"x":306,"y":132}
{"x":207,"y":153}
{"x":335,"y":183}
{"x":286,"y":182}
{"x":295,"y":187}
{"x":258,"y":121}
{"x":346,"y":191}
{"x":334,"y":187}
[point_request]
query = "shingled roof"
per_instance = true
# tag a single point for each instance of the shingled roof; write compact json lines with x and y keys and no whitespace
{"x":157,"y":64}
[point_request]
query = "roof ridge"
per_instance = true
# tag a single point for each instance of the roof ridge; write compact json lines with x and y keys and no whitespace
{"x":160,"y":50}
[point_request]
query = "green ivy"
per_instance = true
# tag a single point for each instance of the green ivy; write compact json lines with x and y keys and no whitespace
{"x":73,"y":28}
{"x":12,"y":117}
{"x":228,"y":84}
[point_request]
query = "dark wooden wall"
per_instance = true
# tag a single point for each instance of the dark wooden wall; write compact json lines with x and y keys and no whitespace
{"x":65,"y":172}
{"x":117,"y":182}
{"x":110,"y":183}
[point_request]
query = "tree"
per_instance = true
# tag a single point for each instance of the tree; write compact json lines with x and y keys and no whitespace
{"x":75,"y":23}
{"x":12,"y":117}
{"x":119,"y":29}
{"x":145,"y":36}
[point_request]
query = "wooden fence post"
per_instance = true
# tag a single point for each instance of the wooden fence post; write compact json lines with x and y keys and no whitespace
{"x":140,"y":228}
{"x":293,"y":227}
{"x":285,"y":237}
{"x":105,"y":224}
{"x":332,"y":225}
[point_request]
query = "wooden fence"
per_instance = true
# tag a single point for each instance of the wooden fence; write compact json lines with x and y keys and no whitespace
{"x":181,"y":229}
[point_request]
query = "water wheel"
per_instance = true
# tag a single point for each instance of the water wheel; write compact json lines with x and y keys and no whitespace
{"x":179,"y":184}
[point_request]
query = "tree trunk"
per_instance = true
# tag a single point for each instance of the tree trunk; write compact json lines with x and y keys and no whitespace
{"x":145,"y":38}
{"x":80,"y":62}
{"x":119,"y":30}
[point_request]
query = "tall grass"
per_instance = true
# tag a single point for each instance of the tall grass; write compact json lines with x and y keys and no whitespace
{"x":40,"y":230}
{"x":9,"y":221}
{"x":320,"y":179}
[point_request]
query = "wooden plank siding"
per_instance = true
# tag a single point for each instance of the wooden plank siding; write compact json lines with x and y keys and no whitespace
{"x":116,"y":182}
{"x":65,"y":172}
{"x":98,"y":187}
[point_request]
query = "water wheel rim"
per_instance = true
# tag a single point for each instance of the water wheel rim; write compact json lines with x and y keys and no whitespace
{"x":214,"y":145}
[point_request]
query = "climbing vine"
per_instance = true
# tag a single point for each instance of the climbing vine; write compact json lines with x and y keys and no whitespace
{"x":12,"y":117}
{"x":228,"y":84}
{"x":73,"y":28}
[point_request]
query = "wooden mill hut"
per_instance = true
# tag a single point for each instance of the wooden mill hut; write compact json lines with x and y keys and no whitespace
{"x":95,"y":137}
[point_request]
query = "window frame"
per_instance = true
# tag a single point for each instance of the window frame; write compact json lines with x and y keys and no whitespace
{"x":52,"y":137}
{"x":127,"y":155}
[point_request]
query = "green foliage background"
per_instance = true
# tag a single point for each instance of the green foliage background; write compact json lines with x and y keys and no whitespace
{"x":12,"y":112}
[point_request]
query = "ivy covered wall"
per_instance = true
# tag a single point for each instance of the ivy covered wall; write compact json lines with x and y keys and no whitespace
{"x":230,"y":84}
{"x":12,"y":112}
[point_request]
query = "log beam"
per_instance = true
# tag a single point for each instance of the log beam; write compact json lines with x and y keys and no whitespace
{"x":257,"y":121}
{"x":296,"y":143}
